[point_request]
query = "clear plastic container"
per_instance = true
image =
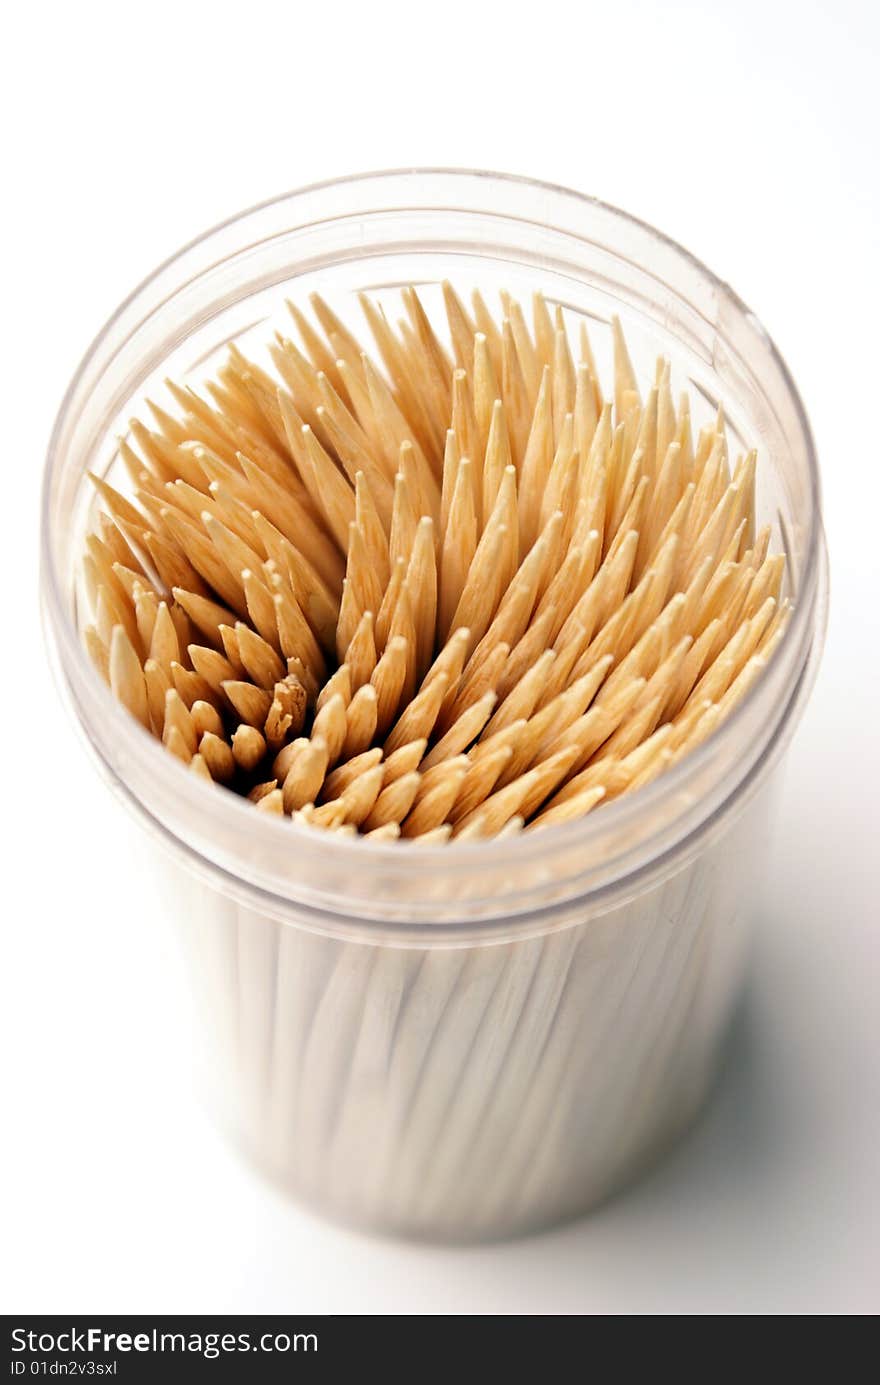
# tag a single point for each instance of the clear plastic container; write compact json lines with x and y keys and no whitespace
{"x":474,"y":1039}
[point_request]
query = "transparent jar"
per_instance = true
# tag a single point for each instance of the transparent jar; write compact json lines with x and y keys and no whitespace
{"x":475,"y":1039}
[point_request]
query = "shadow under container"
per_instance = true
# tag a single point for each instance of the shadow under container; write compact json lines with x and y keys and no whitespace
{"x":462,"y":1041}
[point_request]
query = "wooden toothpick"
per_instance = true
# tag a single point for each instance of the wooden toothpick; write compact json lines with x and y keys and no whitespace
{"x":458,"y":590}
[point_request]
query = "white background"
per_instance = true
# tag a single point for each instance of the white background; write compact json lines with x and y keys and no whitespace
{"x":749,"y":131}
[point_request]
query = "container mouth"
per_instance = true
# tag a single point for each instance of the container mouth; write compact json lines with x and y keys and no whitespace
{"x":475,"y":888}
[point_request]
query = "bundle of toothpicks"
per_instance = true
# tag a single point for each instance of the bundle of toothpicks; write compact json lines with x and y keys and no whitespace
{"x":450,"y":589}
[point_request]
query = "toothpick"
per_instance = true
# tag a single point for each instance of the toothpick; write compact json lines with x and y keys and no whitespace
{"x":361,"y":718}
{"x":575,"y":807}
{"x":394,"y":802}
{"x":330,"y":727}
{"x":191,"y":686}
{"x":359,"y":798}
{"x":248,"y":747}
{"x":463,"y":731}
{"x":461,"y":326}
{"x":126,"y":676}
{"x":403,"y":761}
{"x":420,"y":715}
{"x":217,"y":755}
{"x":339,"y":779}
{"x":157,"y":684}
{"x":205,"y":717}
{"x":421,"y":583}
{"x":469,"y":545}
{"x":536,"y":465}
{"x":250,"y":702}
{"x":98,"y":651}
{"x":306,"y":774}
{"x":480,"y":779}
{"x":459,"y":545}
{"x":388,"y":678}
{"x":432,"y":810}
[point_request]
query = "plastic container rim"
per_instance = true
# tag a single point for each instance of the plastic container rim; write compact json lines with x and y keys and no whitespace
{"x":805,"y":627}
